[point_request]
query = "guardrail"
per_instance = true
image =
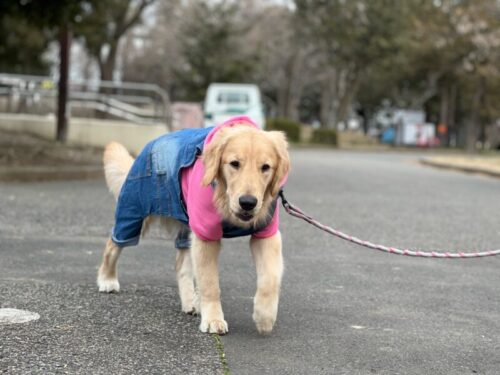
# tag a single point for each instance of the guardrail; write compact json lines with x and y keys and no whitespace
{"x":142,"y":103}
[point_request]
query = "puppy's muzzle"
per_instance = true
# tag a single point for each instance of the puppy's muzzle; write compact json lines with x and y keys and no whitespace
{"x":247,"y":204}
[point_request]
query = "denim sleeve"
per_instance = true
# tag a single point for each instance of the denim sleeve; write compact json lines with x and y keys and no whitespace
{"x":129,"y":215}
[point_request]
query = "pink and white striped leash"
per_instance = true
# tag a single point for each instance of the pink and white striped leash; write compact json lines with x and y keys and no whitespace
{"x":295,"y":211}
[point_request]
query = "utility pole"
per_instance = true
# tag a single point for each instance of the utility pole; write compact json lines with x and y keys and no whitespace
{"x":62,"y":98}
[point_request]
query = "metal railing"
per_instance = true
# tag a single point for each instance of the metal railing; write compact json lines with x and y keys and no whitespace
{"x":141,"y":103}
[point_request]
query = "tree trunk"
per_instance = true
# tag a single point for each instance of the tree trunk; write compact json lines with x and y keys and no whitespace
{"x":282,"y":99}
{"x":452,"y":115}
{"x":328,"y":88}
{"x":290,"y":91}
{"x":365,"y":115}
{"x":444,"y":105}
{"x":285,"y":98}
{"x":108,"y":65}
{"x":62,"y":97}
{"x":444,"y":113}
{"x":293,"y":106}
{"x":473,"y":123}
{"x":350,"y":90}
{"x":430,"y":91}
{"x":453,"y":105}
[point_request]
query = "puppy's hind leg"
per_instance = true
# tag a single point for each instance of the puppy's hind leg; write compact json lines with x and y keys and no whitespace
{"x":185,"y":281}
{"x":107,"y":276}
{"x":184,"y":271}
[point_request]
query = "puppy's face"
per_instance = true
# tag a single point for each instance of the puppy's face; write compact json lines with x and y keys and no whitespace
{"x":248,"y":165}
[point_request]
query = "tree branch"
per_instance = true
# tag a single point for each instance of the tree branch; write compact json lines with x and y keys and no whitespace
{"x":134,"y":18}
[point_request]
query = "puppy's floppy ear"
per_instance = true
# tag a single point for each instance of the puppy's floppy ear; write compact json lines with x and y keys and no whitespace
{"x":283,"y":166}
{"x":212,"y":157}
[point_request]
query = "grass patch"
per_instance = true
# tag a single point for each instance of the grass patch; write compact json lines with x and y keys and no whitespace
{"x":220,"y":348}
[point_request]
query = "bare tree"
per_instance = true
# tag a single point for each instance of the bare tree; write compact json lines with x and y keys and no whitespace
{"x":286,"y":62}
{"x":104,"y":26}
{"x":158,"y":54}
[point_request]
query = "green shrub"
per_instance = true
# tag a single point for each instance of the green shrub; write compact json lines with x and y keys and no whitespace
{"x":290,"y":127}
{"x":325,"y":136}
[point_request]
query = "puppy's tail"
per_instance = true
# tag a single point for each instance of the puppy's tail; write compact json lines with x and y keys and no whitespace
{"x":117,"y":162}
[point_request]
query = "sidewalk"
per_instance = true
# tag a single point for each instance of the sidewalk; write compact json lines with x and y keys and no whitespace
{"x":488,"y":165}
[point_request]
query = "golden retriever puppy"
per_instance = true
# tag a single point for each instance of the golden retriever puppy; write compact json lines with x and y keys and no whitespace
{"x":227,"y":188}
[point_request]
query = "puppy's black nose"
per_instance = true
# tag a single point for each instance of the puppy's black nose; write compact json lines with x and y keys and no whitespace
{"x":248,"y":202}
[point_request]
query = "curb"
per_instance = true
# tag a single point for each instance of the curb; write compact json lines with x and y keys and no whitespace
{"x":31,"y":173}
{"x":460,"y":168}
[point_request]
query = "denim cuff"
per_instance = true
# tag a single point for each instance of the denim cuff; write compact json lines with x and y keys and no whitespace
{"x":182,"y":243}
{"x":183,"y":239}
{"x":124,"y":243}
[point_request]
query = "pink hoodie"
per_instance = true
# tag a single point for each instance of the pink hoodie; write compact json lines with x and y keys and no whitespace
{"x":204,"y":220}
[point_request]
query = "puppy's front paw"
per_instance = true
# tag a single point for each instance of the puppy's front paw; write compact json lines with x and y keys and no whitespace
{"x":214,"y":326}
{"x":191,"y":304}
{"x":264,"y":323}
{"x":107,"y":285}
{"x":189,"y":309}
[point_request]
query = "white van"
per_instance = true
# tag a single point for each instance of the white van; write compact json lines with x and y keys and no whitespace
{"x":225,"y":100}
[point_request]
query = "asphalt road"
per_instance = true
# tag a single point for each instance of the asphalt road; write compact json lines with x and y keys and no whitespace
{"x":343,"y":310}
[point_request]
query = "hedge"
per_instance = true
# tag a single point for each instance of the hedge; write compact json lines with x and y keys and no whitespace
{"x":290,"y":127}
{"x":325,"y":136}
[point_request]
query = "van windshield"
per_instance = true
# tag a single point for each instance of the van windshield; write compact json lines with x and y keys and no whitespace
{"x":233,"y":97}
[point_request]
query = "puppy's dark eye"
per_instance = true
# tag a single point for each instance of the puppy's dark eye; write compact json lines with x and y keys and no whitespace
{"x":265,"y":167}
{"x":235,"y":164}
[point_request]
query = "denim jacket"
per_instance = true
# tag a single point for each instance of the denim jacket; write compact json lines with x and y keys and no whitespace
{"x":153,"y":187}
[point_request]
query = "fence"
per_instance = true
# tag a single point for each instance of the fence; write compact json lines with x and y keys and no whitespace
{"x":140,"y":103}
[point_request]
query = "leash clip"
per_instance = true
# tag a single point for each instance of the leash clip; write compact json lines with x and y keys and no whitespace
{"x":285,"y":203}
